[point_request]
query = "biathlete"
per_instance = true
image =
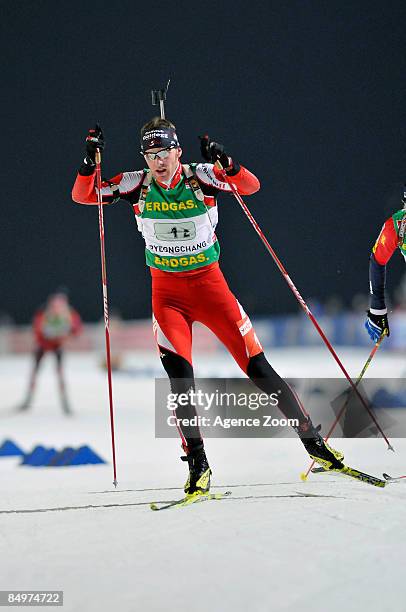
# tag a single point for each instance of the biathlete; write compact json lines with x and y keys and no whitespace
{"x":392,"y":237}
{"x":175,"y":207}
{"x":52,"y":325}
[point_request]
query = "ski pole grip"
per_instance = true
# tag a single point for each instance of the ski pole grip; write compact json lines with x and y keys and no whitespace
{"x":97,"y":157}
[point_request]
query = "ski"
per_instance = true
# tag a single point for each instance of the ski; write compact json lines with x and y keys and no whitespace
{"x":393,"y":478}
{"x":188,"y":500}
{"x":357,"y":474}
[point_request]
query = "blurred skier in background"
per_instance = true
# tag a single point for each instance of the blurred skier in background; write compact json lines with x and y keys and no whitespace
{"x":52,"y":325}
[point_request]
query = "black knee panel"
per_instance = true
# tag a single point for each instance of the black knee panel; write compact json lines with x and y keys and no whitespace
{"x":179,"y":370}
{"x":181,"y":377}
{"x":261,"y":372}
{"x":264,"y":376}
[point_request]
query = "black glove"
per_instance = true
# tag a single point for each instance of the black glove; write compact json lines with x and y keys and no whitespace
{"x":376,"y":325}
{"x":212,"y":151}
{"x":94,"y":140}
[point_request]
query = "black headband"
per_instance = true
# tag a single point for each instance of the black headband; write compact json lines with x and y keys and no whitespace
{"x":160,"y":137}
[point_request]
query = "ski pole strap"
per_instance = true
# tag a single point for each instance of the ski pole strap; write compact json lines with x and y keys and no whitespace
{"x":144,"y":189}
{"x":192,"y":181}
{"x":116,"y":192}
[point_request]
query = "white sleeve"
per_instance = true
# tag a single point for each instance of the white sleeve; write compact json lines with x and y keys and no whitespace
{"x":126,"y":182}
{"x":205,"y":174}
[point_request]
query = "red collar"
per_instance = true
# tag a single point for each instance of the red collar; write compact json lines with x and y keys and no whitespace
{"x":175,"y":179}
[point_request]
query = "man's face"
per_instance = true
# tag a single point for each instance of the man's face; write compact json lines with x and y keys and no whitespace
{"x":163,"y":168}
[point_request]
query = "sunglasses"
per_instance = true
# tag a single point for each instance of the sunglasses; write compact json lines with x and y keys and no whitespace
{"x":160,"y":155}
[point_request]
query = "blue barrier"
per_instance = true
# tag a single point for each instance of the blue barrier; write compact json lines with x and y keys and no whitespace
{"x":39,"y":456}
{"x":63,"y":457}
{"x":50,"y":457}
{"x":385,"y":399}
{"x":10,"y":449}
{"x":86,"y":455}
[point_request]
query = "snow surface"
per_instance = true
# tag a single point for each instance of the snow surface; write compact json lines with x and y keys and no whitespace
{"x":266,"y":548}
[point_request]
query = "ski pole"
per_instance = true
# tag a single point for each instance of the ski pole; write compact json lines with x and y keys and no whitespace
{"x":304,"y":475}
{"x":105,"y":306}
{"x":298,"y":296}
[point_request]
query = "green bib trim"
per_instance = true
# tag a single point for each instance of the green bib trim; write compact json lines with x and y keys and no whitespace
{"x":183,"y":263}
{"x":399,"y":222}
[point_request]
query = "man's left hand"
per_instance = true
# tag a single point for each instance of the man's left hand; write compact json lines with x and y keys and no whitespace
{"x":214,"y":151}
{"x":376,"y":325}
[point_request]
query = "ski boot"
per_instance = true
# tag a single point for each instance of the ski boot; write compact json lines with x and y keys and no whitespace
{"x":321,"y":452}
{"x":199,"y":471}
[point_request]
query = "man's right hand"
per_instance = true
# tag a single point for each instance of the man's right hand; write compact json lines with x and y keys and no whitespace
{"x":376,"y":325}
{"x":94,"y":140}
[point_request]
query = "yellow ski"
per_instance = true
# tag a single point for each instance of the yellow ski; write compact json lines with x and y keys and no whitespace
{"x":189,"y":499}
{"x":353,"y":473}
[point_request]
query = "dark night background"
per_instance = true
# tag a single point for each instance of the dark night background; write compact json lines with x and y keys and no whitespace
{"x":309,"y":95}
